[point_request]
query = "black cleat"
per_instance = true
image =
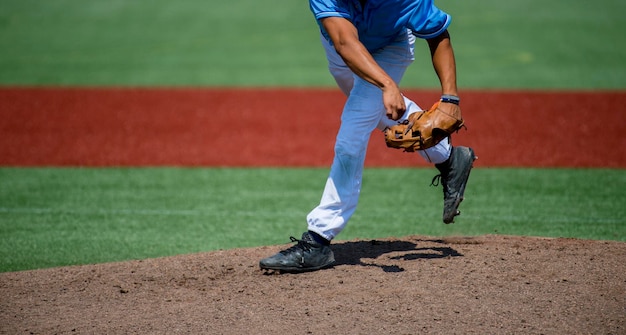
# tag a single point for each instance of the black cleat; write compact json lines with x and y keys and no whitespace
{"x":306,"y":255}
{"x":454,"y":175}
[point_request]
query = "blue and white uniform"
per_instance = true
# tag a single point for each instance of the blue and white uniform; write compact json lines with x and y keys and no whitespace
{"x":379,"y":22}
{"x":388,"y":29}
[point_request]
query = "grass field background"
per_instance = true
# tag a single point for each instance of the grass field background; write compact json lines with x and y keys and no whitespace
{"x":522,"y":44}
{"x":53,"y":216}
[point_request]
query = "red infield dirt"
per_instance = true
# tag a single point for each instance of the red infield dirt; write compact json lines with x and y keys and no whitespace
{"x":291,"y":127}
{"x":409,"y":285}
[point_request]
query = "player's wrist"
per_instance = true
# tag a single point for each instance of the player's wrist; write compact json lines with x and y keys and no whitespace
{"x":451,"y":99}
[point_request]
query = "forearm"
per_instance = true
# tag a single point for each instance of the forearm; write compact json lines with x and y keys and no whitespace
{"x":346,"y":42}
{"x":444,"y":63}
{"x":345,"y":38}
{"x":363,"y":64}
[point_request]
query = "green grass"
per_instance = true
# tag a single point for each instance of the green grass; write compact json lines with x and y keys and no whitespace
{"x":574,"y":44}
{"x":540,"y":44}
{"x":156,"y":42}
{"x":62,"y":216}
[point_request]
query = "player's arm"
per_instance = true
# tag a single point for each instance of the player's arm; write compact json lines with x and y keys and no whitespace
{"x":345,"y":39}
{"x":444,"y":62}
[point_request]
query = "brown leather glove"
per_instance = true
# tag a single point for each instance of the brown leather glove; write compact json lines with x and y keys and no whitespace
{"x":425,"y":129}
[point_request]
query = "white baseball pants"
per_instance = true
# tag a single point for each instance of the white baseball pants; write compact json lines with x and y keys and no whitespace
{"x":363,"y":112}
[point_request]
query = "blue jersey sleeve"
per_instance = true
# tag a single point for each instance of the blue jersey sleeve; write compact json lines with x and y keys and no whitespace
{"x":328,"y":8}
{"x":380,"y":21}
{"x":428,"y":21}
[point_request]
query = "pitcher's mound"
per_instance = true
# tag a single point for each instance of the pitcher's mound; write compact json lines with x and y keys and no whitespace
{"x":410,"y":285}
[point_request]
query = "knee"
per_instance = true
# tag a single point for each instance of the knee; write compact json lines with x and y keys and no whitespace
{"x":350,"y":149}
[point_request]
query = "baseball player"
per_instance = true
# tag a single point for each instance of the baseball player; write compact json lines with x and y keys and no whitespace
{"x":369,"y":44}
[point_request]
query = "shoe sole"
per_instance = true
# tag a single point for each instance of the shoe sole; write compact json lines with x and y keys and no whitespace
{"x":459,"y":198}
{"x":297,"y":269}
{"x":293,"y":269}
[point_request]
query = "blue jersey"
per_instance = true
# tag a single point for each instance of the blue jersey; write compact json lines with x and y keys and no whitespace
{"x":380,"y":21}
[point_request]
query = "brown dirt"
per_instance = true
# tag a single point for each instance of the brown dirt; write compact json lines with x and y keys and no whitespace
{"x":410,"y":285}
{"x":413,"y":285}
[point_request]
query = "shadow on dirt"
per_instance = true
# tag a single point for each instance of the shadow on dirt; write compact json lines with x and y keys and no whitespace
{"x":355,"y":252}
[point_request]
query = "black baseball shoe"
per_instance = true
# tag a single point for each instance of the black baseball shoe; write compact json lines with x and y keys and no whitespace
{"x":306,"y":255}
{"x":454,"y":175}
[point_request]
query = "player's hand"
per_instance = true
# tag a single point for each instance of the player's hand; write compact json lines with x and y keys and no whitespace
{"x":394,"y":103}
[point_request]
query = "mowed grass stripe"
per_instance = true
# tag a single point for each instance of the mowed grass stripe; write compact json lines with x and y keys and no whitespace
{"x":499,"y":44}
{"x":61,"y":216}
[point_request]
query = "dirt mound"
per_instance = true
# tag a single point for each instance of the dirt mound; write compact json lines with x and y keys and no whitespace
{"x":457,"y":285}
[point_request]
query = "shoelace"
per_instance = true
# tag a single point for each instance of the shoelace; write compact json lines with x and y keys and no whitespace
{"x":301,"y":244}
{"x":436,"y":180}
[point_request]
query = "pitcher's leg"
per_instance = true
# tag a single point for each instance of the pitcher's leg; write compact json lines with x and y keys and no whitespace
{"x":362,"y":112}
{"x":343,"y":186}
{"x":344,"y":77}
{"x":437,"y":154}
